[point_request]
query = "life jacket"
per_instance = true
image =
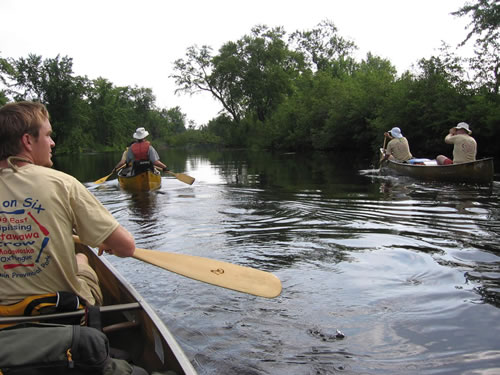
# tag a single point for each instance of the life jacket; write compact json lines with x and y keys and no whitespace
{"x":140,"y":150}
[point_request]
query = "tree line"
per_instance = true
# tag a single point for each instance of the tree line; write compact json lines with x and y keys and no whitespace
{"x":87,"y":115}
{"x":298,"y":91}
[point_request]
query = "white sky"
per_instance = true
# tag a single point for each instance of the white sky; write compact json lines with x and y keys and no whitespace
{"x":136,"y":42}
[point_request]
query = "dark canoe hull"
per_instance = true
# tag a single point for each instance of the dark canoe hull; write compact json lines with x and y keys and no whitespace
{"x":145,"y":181}
{"x":140,"y":332}
{"x":479,"y":171}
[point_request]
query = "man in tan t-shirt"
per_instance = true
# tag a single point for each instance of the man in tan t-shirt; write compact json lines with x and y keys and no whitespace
{"x":465,"y":147}
{"x":398,"y":148}
{"x":39,"y":209}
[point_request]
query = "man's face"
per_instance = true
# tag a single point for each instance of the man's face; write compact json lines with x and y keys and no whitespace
{"x":42,"y":147}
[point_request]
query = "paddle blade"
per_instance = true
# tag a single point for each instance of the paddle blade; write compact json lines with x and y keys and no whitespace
{"x":227,"y":275}
{"x":381,"y":155}
{"x":102,"y":179}
{"x":183,"y":177}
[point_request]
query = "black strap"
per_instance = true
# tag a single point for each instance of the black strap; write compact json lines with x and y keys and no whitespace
{"x":67,"y":301}
{"x":93,"y":317}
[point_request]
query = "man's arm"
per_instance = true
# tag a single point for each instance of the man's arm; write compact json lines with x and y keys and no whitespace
{"x":448,"y":139}
{"x":155,"y":158}
{"x":160,"y":164}
{"x":119,"y":243}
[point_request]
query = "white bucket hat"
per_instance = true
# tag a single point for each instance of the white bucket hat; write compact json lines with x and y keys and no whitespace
{"x":465,"y":126}
{"x":140,"y":133}
{"x":396,"y":133}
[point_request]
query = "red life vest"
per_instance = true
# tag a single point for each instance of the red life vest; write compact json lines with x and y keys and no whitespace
{"x":140,"y":150}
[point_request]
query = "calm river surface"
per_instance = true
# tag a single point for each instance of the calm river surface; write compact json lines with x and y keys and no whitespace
{"x":408,"y":271}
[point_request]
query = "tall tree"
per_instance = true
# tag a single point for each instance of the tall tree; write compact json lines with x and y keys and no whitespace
{"x":485,"y":27}
{"x":268,"y":70}
{"x":248,"y":77}
{"x":324,"y":49}
{"x":194,"y":75}
{"x":50,"y":81}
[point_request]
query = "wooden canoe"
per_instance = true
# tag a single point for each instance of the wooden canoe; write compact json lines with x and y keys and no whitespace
{"x":129,"y":322}
{"x":145,"y":181}
{"x":479,"y":171}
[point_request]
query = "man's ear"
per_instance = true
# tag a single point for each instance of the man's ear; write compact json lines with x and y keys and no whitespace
{"x":27,"y":141}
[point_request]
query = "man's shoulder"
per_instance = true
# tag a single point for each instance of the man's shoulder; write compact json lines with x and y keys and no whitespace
{"x":465,"y":138}
{"x":53,"y":173}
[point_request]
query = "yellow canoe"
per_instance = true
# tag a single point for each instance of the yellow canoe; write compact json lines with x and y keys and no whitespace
{"x":145,"y":181}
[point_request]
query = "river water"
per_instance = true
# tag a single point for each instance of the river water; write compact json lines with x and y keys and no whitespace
{"x":407,"y":271}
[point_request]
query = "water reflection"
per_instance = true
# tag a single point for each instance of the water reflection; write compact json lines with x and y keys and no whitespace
{"x":143,"y":204}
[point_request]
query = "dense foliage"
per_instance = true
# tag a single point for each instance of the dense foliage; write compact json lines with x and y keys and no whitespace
{"x":296,"y":91}
{"x":87,"y":115}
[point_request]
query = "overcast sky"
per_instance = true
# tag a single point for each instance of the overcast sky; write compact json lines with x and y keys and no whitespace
{"x":136,"y":42}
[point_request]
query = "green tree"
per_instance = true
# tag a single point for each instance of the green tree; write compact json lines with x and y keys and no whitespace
{"x":175,"y":119}
{"x":424,"y":105}
{"x":51,"y":82}
{"x":269,"y":69}
{"x":485,"y":27}
{"x":355,"y":102}
{"x":324,"y":49}
{"x":249,"y":77}
{"x":195,"y":74}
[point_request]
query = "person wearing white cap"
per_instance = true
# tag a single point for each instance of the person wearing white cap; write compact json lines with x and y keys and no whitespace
{"x":398,"y":148}
{"x":465,"y":147}
{"x":141,"y":150}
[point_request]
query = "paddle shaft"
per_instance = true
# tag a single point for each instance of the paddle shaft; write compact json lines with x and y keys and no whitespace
{"x":103,"y":179}
{"x":227,"y":275}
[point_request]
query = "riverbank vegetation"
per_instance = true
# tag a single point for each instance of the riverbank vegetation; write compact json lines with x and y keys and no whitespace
{"x":299,"y":91}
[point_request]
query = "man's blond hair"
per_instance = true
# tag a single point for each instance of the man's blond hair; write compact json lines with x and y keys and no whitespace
{"x":17,"y":119}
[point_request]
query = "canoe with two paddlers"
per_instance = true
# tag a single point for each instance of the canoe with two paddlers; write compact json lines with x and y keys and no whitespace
{"x":478,"y":171}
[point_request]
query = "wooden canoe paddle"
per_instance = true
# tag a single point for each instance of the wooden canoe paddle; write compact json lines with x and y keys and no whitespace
{"x":103,"y":179}
{"x":227,"y":275}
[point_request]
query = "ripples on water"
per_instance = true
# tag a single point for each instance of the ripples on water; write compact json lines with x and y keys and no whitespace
{"x":408,"y":271}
